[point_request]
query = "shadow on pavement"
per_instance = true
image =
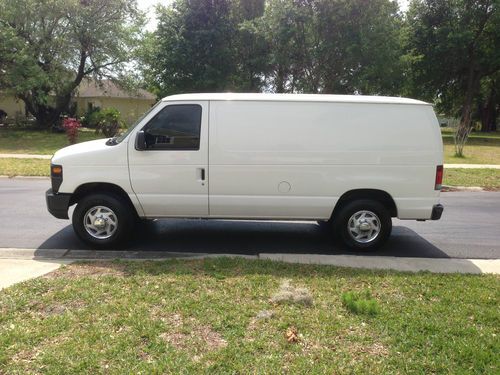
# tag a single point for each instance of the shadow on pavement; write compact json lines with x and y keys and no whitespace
{"x":249,"y":238}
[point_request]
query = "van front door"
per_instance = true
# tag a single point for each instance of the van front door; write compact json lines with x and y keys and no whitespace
{"x":169,"y":171}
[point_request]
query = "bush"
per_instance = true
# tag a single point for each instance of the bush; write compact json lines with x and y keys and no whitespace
{"x":360,"y":303}
{"x":90,"y":119}
{"x":71,"y":126}
{"x":108,"y":122}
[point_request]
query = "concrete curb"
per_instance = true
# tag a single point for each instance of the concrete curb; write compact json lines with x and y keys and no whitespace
{"x":404,"y":264}
{"x":93,"y":255}
{"x":450,"y":188}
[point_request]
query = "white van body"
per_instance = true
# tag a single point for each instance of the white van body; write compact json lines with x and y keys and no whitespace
{"x":269,"y":156}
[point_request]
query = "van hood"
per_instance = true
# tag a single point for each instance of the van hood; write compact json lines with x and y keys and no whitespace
{"x":91,"y":153}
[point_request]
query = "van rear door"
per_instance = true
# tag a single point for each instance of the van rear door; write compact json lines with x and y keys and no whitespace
{"x":170,"y":174}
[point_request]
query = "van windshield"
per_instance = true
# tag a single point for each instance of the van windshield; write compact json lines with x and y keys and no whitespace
{"x":122,"y":136}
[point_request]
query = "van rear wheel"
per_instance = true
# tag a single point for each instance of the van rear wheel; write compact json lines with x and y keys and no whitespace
{"x":103,"y":221}
{"x":363,"y":224}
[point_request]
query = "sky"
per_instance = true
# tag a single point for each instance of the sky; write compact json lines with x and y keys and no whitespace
{"x":148,"y":6}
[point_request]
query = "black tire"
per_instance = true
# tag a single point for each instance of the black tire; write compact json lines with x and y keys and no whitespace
{"x":343,"y":216}
{"x":122,"y":212}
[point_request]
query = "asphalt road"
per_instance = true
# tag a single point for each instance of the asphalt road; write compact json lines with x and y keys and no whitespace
{"x":468,"y":229}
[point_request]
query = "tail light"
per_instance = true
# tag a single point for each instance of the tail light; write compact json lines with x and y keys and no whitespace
{"x":439,"y":178}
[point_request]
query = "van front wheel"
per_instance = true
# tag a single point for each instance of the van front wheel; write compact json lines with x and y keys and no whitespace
{"x":102,"y":221}
{"x":363,"y":224}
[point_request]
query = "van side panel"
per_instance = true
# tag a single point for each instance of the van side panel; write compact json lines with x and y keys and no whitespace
{"x":295,"y":159}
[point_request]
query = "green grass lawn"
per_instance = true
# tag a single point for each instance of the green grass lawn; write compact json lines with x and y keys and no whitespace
{"x":488,"y":178}
{"x":480,"y":149}
{"x":38,"y":142}
{"x":24,"y":167}
{"x":221,"y":316}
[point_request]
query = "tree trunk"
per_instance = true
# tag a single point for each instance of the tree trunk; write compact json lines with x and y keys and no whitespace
{"x":464,"y":128}
{"x":280,"y":80}
{"x":46,"y":116}
{"x":489,"y":112}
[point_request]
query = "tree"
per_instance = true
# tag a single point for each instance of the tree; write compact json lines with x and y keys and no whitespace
{"x":488,"y":103}
{"x":360,"y":48}
{"x":192,"y":49}
{"x":49,"y":46}
{"x":288,"y":27}
{"x":332,"y":46}
{"x":454,"y":46}
{"x":250,"y":50}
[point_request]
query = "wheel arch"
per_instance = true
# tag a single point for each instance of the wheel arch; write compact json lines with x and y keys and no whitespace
{"x":101,"y":188}
{"x":380,"y":196}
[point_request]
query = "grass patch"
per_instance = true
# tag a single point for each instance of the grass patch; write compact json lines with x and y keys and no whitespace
{"x":24,"y":167}
{"x":175,"y":316}
{"x":38,"y":142}
{"x":361,"y":303}
{"x":480,"y":149}
{"x":488,"y":178}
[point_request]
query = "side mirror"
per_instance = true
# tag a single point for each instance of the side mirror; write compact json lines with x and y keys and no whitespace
{"x":140,"y":141}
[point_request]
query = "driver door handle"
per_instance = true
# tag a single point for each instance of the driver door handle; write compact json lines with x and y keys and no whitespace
{"x":200,"y":172}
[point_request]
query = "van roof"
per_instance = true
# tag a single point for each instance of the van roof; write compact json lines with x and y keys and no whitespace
{"x":296,"y":98}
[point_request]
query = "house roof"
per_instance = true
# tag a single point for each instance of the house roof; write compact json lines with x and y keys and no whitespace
{"x":296,"y":98}
{"x":109,"y":89}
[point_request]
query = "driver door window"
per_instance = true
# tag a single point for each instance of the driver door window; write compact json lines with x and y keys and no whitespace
{"x":175,"y":127}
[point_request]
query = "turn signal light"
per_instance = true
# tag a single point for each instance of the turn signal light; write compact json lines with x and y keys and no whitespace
{"x":439,"y":178}
{"x":56,"y":170}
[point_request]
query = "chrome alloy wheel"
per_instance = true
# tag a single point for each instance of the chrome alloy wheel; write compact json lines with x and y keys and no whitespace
{"x":100,"y":222}
{"x":364,"y":226}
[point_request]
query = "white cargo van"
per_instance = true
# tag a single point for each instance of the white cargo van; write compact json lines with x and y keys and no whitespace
{"x":353,"y":161}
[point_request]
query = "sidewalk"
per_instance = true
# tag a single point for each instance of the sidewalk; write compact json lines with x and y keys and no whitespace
{"x":450,"y":166}
{"x":14,"y":271}
{"x":472,"y":166}
{"x":25,"y":156}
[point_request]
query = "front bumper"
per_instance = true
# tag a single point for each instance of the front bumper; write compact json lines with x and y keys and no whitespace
{"x":437,"y":211}
{"x":57,"y":204}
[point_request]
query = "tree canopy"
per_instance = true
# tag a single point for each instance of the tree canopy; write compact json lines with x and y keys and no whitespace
{"x":320,"y":46}
{"x":454,"y":50}
{"x":48,"y":46}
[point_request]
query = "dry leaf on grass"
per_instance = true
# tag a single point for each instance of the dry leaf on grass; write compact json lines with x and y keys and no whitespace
{"x":292,"y":335}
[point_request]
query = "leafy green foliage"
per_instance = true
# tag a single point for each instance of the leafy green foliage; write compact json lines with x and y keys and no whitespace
{"x":47,"y":47}
{"x":285,"y":46}
{"x":107,"y":121}
{"x":360,"y":303}
{"x":332,"y":46}
{"x":191,"y":51}
{"x":452,"y":46}
{"x":89,"y":119}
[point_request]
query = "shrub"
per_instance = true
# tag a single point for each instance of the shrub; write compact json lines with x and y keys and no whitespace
{"x":90,"y":119}
{"x":71,"y":126}
{"x":108,"y":122}
{"x":360,"y":303}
